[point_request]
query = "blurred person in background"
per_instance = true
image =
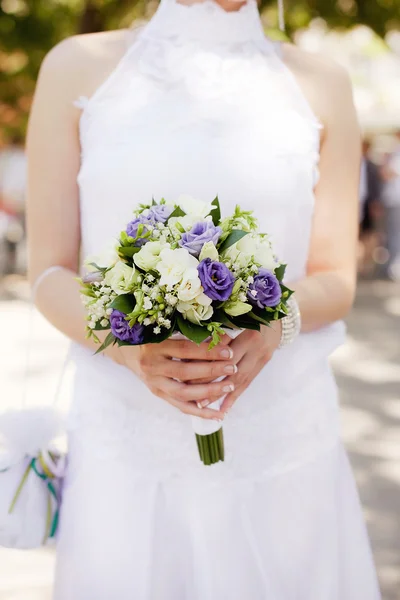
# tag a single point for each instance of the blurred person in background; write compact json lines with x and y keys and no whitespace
{"x":13,"y":173}
{"x":391,"y":201}
{"x":202,"y":101}
{"x":370,"y":208}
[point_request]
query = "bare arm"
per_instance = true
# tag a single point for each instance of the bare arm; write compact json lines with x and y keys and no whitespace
{"x":327,"y":293}
{"x":54,"y":239}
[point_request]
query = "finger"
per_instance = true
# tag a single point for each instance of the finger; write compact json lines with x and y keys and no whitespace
{"x":192,"y":371}
{"x":203,"y":394}
{"x":191,"y":408}
{"x":241,"y":345}
{"x":247,"y":371}
{"x":189,"y":350}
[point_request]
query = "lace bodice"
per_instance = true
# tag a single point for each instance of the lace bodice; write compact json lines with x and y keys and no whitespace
{"x":202,"y":104}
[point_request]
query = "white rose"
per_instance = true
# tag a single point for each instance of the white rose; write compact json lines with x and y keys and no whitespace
{"x":107,"y":258}
{"x":209,"y":251}
{"x":251,"y":248}
{"x":148,"y":256}
{"x":197,"y":311}
{"x":186,"y":222}
{"x":174,"y":264}
{"x":121,"y":278}
{"x":190,"y":287}
{"x":192,"y":206}
{"x":260,"y":248}
{"x":236,"y":257}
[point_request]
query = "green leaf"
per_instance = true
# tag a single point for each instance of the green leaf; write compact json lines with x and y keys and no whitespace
{"x":110,"y":339}
{"x":216,"y":213}
{"x":126,"y":240}
{"x":195,"y":333}
{"x":128,"y":251}
{"x":233,"y":237}
{"x":264,"y":321}
{"x":246,"y":323}
{"x":101,"y":269}
{"x":152,"y":338}
{"x":100,"y":327}
{"x":280,"y":272}
{"x":177,"y":212}
{"x":285,"y":289}
{"x":125,"y":303}
{"x":220,"y":315}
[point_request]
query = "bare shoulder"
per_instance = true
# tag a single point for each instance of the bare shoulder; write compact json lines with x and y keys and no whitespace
{"x":325,"y":83}
{"x":79,"y":64}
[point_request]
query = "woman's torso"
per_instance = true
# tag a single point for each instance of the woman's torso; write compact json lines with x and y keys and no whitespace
{"x":206,"y":110}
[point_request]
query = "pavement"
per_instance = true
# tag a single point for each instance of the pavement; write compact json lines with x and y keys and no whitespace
{"x":368,"y":372}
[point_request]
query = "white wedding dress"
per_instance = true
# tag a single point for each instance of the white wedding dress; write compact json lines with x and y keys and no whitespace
{"x":202,"y":104}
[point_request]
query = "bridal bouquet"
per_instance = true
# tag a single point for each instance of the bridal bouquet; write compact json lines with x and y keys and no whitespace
{"x":180,"y":269}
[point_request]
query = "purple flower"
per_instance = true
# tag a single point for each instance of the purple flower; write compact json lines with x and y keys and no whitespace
{"x":216,"y":279}
{"x":133,"y":226}
{"x":265,"y":290}
{"x":121,"y":330}
{"x":200,"y":234}
{"x":158,"y":213}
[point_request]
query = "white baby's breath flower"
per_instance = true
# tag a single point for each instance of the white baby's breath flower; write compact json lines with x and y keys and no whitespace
{"x":109,"y":311}
{"x":170,"y":299}
{"x":250,"y":279}
{"x":242,"y":297}
{"x":104,"y":322}
{"x":157,"y":330}
{"x":146,"y":321}
{"x":147,"y":304}
{"x":150,"y":278}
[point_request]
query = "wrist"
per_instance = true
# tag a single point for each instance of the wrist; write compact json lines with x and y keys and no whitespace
{"x":291,"y":324}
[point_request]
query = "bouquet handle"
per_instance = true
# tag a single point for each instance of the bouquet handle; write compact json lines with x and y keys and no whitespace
{"x":209,"y":433}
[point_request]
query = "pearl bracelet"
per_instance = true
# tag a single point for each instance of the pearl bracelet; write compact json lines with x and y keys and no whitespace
{"x":291,"y":324}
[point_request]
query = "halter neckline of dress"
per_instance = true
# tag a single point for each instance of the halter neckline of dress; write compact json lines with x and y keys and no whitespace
{"x":208,"y":21}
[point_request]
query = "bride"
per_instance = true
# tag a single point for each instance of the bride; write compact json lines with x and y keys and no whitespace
{"x":199,"y":101}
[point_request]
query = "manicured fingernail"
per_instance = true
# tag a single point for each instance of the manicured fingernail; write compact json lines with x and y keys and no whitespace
{"x":228,"y":388}
{"x":227,"y":353}
{"x":203,"y":404}
{"x":231,"y":369}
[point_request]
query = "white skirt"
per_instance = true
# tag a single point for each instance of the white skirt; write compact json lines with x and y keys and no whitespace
{"x":142,"y":519}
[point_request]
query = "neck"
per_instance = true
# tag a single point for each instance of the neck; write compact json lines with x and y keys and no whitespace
{"x":227,"y":5}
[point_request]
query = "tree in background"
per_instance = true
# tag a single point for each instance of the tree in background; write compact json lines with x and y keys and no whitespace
{"x":29,"y":28}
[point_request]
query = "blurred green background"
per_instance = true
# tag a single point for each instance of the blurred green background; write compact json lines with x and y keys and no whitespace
{"x":29,"y":28}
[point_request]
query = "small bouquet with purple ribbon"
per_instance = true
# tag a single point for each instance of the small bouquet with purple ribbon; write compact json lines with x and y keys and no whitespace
{"x":178,"y":268}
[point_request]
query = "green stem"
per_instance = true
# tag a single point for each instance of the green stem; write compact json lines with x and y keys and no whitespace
{"x":211,"y":447}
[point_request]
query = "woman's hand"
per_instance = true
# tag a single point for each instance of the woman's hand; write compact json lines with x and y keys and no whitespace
{"x":252,"y":350}
{"x":168,"y":378}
